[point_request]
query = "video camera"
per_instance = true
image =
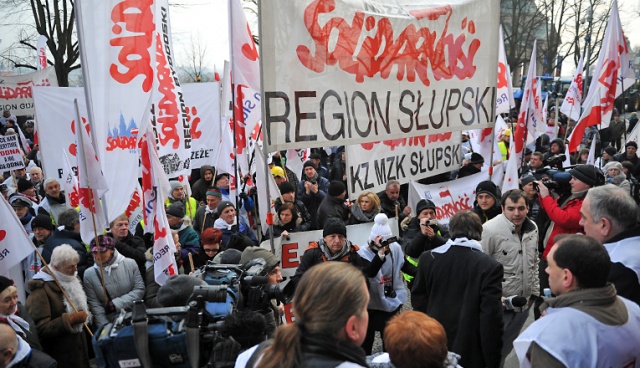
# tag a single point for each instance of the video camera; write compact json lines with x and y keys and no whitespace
{"x":385,"y":241}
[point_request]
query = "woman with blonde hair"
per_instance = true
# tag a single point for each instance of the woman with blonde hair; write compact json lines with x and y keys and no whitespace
{"x":330,"y":306}
{"x":365,"y":209}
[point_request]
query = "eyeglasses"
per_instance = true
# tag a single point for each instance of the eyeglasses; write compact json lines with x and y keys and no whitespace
{"x":101,"y":252}
{"x":211,"y":250}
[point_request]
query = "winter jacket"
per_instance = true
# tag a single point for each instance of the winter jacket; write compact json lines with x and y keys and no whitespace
{"x":518,"y":256}
{"x":59,"y":237}
{"x":389,"y":207}
{"x":332,"y":207}
{"x":61,"y":340}
{"x":488,"y":214}
{"x":199,"y":188}
{"x":227,"y":230}
{"x":189,"y":243}
{"x":52,"y":207}
{"x":204,"y":219}
{"x":312,"y":200}
{"x":625,"y":263}
{"x":621,"y":181}
{"x":123,"y":282}
{"x":190,"y":205}
{"x":415,"y":242}
{"x":278,"y":227}
{"x":304,"y":218}
{"x":565,"y":218}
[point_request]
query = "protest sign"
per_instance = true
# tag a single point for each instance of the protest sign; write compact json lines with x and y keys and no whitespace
{"x":290,"y":251}
{"x":10,"y":153}
{"x":371,"y":165}
{"x":346,"y":72}
{"x":16,"y":92}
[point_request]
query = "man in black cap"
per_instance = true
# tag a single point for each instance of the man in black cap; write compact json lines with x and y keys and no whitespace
{"x":486,"y":205}
{"x":607,"y":156}
{"x":42,"y":229}
{"x":630,"y":155}
{"x":333,"y":205}
{"x":424,"y":233}
{"x":564,"y":213}
{"x":312,"y":190}
{"x":189,"y":238}
{"x":474,"y":166}
{"x":288,"y":195}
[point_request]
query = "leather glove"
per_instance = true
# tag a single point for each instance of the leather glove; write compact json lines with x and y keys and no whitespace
{"x":244,"y":195}
{"x":109,"y":308}
{"x":225,"y":352}
{"x":77,"y":317}
{"x":257,"y":299}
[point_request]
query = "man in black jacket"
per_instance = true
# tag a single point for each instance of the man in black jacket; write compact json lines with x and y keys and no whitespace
{"x":460,"y":286}
{"x":392,"y":204}
{"x":333,"y":204}
{"x":69,"y":235}
{"x":128,"y":244}
{"x":607,"y":217}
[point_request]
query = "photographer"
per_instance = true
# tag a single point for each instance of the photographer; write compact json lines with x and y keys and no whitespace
{"x":564,"y":213}
{"x":256,"y":301}
{"x":423,"y":234}
{"x":386,"y":289}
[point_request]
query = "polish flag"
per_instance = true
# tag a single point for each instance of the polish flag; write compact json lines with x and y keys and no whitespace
{"x":573,"y":99}
{"x":613,"y":72}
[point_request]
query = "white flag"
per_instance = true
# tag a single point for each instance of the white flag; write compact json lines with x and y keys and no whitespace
{"x":527,"y":107}
{"x":41,"y":52}
{"x":15,"y":244}
{"x":70,"y":183}
{"x":573,"y":99}
{"x":504,"y":95}
{"x":510,"y":180}
{"x":265,"y":200}
{"x":592,"y":153}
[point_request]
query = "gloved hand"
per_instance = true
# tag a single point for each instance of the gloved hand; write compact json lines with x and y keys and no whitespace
{"x":243,"y":195}
{"x":109,"y":308}
{"x":257,"y":299}
{"x":77,"y":317}
{"x":225,"y":352}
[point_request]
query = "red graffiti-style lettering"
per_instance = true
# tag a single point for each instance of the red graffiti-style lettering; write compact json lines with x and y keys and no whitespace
{"x":20,"y":92}
{"x":415,"y":51}
{"x":121,"y":142}
{"x":449,"y":209}
{"x":134,"y":57}
{"x":502,"y":75}
{"x":168,"y":109}
{"x":250,"y":51}
{"x":194,"y":119}
{"x":241,"y":140}
{"x":419,"y":141}
{"x":133,"y":203}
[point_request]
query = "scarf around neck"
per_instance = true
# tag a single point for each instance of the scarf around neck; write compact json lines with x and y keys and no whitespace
{"x":461,"y":242}
{"x":112,"y":264}
{"x":330,"y":256}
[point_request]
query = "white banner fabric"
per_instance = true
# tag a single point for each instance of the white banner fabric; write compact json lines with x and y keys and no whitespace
{"x":202,"y":101}
{"x":15,"y":244}
{"x":371,"y":165}
{"x":16,"y":92}
{"x":359,"y":71}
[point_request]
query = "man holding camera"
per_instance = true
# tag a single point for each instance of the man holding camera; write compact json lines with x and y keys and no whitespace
{"x":312,"y":190}
{"x":512,"y":239}
{"x":564,"y":213}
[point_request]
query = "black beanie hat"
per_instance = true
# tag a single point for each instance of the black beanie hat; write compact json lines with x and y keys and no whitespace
{"x":5,"y":283}
{"x":487,"y":187}
{"x":588,"y":174}
{"x":176,"y":209}
{"x":286,"y":187}
{"x":610,"y":151}
{"x":476,"y":158}
{"x":631,"y":143}
{"x":24,"y":184}
{"x":43,"y":222}
{"x":424,"y":204}
{"x":334,"y":225}
{"x":309,"y":163}
{"x":222,"y":205}
{"x":336,"y":187}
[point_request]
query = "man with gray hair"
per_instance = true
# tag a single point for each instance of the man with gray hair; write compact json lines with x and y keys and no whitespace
{"x":35,"y":177}
{"x":610,"y":216}
{"x":54,"y":201}
{"x":392,"y":203}
{"x":461,"y":287}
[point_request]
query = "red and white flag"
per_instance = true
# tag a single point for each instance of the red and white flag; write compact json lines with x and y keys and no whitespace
{"x":23,"y":141}
{"x":527,"y":107}
{"x":504,"y":96}
{"x":592,"y":153}
{"x":572,"y":104}
{"x":613,"y":71}
{"x":15,"y":244}
{"x":510,"y":180}
{"x":155,"y":187}
{"x":91,"y":183}
{"x":265,"y":199}
{"x":69,"y":182}
{"x":41,"y":52}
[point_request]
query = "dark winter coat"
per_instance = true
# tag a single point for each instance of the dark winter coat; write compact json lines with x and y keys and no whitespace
{"x":332,"y":207}
{"x":472,"y":315}
{"x":415,"y":243}
{"x":199,"y":188}
{"x":204,"y":220}
{"x":389,"y":207}
{"x":59,"y":340}
{"x":304,"y":218}
{"x":59,"y":237}
{"x":312,"y":200}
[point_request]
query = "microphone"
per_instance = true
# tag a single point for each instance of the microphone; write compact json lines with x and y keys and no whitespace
{"x":514,"y":301}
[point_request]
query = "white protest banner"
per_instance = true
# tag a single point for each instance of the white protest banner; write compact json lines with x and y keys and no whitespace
{"x":15,"y":244}
{"x":371,"y":165}
{"x":296,"y":159}
{"x":16,"y":92}
{"x":449,"y":197}
{"x":290,"y":251}
{"x":202,"y":101}
{"x":347,"y":72}
{"x":10,"y":153}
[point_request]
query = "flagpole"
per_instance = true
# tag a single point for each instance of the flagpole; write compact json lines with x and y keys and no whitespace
{"x":90,"y":193}
{"x":493,"y":144}
{"x":64,"y":293}
{"x":623,"y":110}
{"x":265,"y":137}
{"x":233,"y":112}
